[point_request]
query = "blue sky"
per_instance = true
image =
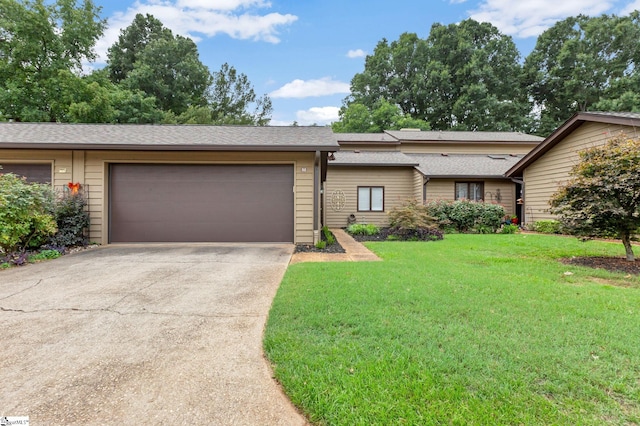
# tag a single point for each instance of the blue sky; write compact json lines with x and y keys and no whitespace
{"x":304,"y":53}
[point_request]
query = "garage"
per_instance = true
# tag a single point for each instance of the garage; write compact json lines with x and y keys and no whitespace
{"x":201,"y":203}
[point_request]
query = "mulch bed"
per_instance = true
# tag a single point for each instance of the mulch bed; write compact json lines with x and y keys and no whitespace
{"x":334,"y":248}
{"x":613,"y":264}
{"x":380,"y":236}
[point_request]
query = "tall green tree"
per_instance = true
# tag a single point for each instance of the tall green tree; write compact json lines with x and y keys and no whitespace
{"x":149,"y":58}
{"x":357,"y":118}
{"x":463,"y":76}
{"x":602,"y":198}
{"x":43,"y":46}
{"x":584,"y":63}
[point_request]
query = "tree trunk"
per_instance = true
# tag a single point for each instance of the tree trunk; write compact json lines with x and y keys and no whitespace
{"x":626,"y":241}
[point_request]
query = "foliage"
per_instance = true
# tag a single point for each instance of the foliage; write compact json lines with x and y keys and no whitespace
{"x":463,"y":76}
{"x":602,"y":196}
{"x":25,"y":220}
{"x":328,"y":235}
{"x":357,"y":118}
{"x":584,"y":63}
{"x":72,"y":220}
{"x":322,"y":244}
{"x":547,"y":226}
{"x":488,"y":329}
{"x":466,"y":216}
{"x":44,"y":255}
{"x":412,"y":221}
{"x":43,"y":46}
{"x":363,"y":229}
{"x":509,"y":229}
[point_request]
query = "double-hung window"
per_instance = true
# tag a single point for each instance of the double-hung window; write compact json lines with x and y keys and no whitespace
{"x":473,"y":191}
{"x":370,"y":198}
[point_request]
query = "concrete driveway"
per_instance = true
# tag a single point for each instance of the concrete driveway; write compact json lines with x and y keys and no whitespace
{"x":143,"y":334}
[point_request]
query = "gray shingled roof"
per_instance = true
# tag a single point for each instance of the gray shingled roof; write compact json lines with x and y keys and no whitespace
{"x":464,"y":165}
{"x":632,"y":115}
{"x":372,"y":158}
{"x":459,"y":136}
{"x":165,"y":137}
{"x":366,"y":137}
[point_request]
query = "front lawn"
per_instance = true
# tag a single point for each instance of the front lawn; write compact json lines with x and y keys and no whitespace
{"x":475,"y":329}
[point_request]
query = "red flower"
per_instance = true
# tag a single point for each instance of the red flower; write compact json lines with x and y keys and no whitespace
{"x":74,"y":187}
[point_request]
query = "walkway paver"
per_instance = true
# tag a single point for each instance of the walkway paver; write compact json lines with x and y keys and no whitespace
{"x":354,"y":252}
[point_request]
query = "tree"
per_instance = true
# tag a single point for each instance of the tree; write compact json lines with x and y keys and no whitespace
{"x":463,"y":76}
{"x":602,"y":198}
{"x":357,"y":118}
{"x":149,"y":58}
{"x":584,"y":63}
{"x":43,"y":46}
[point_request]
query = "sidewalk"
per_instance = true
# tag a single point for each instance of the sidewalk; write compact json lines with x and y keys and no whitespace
{"x":354,"y":252}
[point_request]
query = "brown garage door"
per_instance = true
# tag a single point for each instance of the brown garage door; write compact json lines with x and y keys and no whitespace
{"x":201,"y":203}
{"x":38,"y":173}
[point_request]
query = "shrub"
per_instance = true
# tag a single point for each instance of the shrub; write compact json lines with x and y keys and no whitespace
{"x":328,"y":236}
{"x":363,"y":229}
{"x":321,"y":244}
{"x":44,"y":254}
{"x":466,"y":216}
{"x":412,"y":221}
{"x":72,"y":220}
{"x":509,"y":229}
{"x":547,"y":226}
{"x":25,"y":218}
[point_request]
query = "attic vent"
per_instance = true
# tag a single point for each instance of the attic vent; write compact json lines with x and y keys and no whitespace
{"x":355,"y":151}
{"x":444,"y":154}
{"x":407,"y":129}
{"x":497,"y":157}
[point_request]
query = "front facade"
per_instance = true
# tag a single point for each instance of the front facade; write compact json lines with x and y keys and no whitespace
{"x":373,"y":173}
{"x":181,"y":183}
{"x":546,"y":168}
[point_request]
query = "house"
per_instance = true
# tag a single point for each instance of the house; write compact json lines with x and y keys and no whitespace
{"x":546,"y":168}
{"x":157,"y":183}
{"x":373,"y":173}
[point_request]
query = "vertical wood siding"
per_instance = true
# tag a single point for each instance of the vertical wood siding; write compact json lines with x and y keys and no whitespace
{"x":544,"y":177}
{"x":398,"y":185}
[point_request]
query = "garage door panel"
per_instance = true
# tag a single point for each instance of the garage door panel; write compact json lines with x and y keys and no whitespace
{"x":201,"y":203}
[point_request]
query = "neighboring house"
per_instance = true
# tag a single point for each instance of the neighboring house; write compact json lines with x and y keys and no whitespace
{"x":547,"y":167}
{"x":373,"y":173}
{"x":156,"y":183}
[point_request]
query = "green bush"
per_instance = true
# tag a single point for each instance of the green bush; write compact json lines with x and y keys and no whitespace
{"x":72,"y":220}
{"x":44,"y":254}
{"x":321,"y":244}
{"x":25,"y":214}
{"x":547,"y":226}
{"x":509,"y":229}
{"x":412,"y":221}
{"x":328,"y":236}
{"x":466,"y":216}
{"x":363,"y":229}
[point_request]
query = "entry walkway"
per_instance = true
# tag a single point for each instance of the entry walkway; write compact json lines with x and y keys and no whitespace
{"x":354,"y":252}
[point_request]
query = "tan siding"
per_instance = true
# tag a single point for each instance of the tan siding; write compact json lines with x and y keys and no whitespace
{"x":418,"y":185}
{"x":549,"y":172}
{"x":398,"y":185}
{"x":444,"y":189}
{"x":97,"y":161}
{"x":467,"y":148}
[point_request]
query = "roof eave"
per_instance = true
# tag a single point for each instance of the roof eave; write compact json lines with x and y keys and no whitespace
{"x":147,"y":147}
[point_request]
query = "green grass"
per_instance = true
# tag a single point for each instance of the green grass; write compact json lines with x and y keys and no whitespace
{"x":475,"y":329}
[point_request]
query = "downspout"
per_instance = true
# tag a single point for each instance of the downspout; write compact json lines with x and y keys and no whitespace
{"x":424,"y":188}
{"x":316,"y":197}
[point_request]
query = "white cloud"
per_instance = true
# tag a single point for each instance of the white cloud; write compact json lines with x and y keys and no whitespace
{"x":530,"y":18}
{"x":310,"y":88}
{"x":318,"y":115}
{"x":359,"y":53}
{"x":635,"y":5}
{"x":202,"y":18}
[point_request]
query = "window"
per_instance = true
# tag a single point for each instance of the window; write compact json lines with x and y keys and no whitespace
{"x":370,"y":198}
{"x":473,"y":191}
